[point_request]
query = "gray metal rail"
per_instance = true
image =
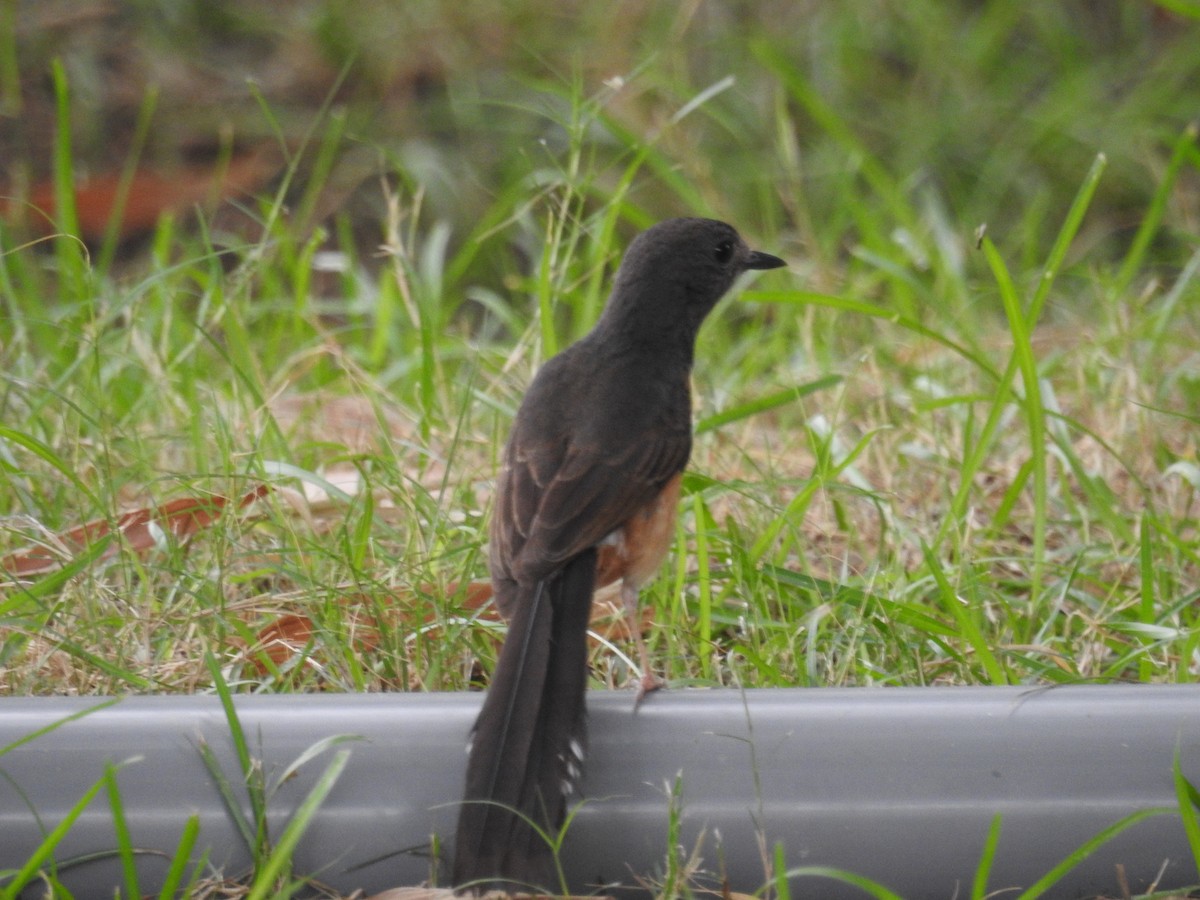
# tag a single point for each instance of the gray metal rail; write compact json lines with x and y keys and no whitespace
{"x":900,"y":785}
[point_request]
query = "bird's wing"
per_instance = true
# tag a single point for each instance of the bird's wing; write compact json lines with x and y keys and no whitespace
{"x":555,"y":505}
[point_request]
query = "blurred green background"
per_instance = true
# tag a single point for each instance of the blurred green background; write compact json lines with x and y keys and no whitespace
{"x":885,"y":127}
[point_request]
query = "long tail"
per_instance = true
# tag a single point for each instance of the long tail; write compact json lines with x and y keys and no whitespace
{"x":530,"y":738}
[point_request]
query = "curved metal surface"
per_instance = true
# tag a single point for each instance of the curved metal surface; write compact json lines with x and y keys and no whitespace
{"x":900,"y":785}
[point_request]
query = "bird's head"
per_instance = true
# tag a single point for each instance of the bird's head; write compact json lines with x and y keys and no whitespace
{"x":674,"y":273}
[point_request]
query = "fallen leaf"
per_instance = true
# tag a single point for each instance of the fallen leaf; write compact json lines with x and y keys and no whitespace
{"x":141,"y":531}
{"x":293,"y":634}
{"x":150,"y":194}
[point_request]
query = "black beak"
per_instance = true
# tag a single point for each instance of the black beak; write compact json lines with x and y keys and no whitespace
{"x":758,"y":260}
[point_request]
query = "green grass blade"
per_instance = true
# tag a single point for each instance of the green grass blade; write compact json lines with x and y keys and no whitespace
{"x":125,"y":851}
{"x":65,"y":213}
{"x":287,"y":470}
{"x":967,"y":625}
{"x":979,"y":889}
{"x":359,"y":537}
{"x":827,"y":118}
{"x":1011,"y":495}
{"x":858,"y":307}
{"x":121,"y":674}
{"x":1165,"y":315}
{"x":794,"y":511}
{"x":54,"y":726}
{"x":1065,"y":237}
{"x":664,"y":169}
{"x":703,"y":522}
{"x":673,"y":878}
{"x":25,"y":594}
{"x":1040,"y":887}
{"x":1181,"y":7}
{"x":1189,"y":803}
{"x":1152,"y":218}
{"x":1146,"y":607}
{"x":866,"y":885}
{"x":251,"y":774}
{"x":10,"y":69}
{"x":312,"y":752}
{"x":229,"y":796}
{"x":173,"y":880}
{"x":112,"y":230}
{"x":277,"y":864}
{"x":762,"y":404}
{"x":45,"y":849}
{"x":47,"y":455}
{"x":1058,"y":252}
{"x":783,"y":890}
{"x":1031,"y":404}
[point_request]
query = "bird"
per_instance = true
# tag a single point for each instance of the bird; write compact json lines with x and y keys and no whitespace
{"x":586,"y":494}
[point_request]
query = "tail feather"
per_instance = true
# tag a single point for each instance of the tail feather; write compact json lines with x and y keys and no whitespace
{"x":529,"y":740}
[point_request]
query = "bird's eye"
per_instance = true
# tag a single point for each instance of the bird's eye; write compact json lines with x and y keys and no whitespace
{"x":723,"y":252}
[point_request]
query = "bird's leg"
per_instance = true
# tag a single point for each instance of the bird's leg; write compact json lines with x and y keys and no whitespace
{"x":649,"y":681}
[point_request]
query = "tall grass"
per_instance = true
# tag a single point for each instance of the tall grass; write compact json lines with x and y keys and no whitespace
{"x":963,"y":463}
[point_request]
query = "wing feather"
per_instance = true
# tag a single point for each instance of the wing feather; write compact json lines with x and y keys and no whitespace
{"x":551,"y":519}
